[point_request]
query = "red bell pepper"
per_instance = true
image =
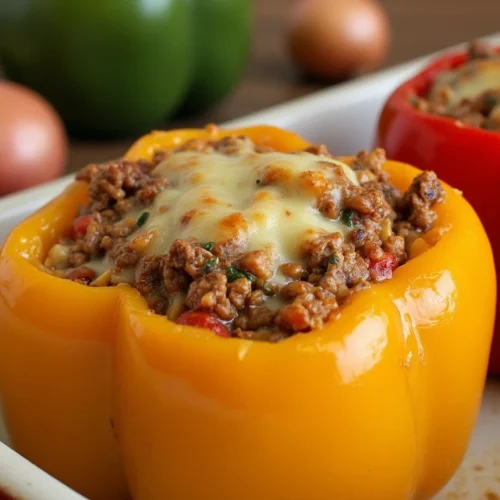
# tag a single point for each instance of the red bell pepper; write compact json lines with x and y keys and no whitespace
{"x":467,"y":158}
{"x":204,"y":320}
{"x":80,"y":225}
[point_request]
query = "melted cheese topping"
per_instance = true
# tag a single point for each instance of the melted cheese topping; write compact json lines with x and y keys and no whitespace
{"x":261,"y":200}
{"x":470,"y":80}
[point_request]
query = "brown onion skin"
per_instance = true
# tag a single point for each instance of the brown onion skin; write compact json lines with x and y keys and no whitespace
{"x":33,"y":143}
{"x":337,"y":39}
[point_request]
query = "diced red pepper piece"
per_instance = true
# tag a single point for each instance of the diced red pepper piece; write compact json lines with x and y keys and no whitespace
{"x":81,"y":274}
{"x":204,"y":320}
{"x":381,"y":270}
{"x":80,"y":225}
{"x":297,"y":317}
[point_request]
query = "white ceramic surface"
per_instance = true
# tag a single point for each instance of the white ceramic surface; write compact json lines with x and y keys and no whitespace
{"x":22,"y":480}
{"x":344,"y":118}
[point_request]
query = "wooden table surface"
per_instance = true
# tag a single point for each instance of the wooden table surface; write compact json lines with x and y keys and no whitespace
{"x":418,"y":27}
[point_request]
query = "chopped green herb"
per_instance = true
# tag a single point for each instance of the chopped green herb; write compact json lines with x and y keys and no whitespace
{"x":491,"y":101}
{"x":333,"y":259}
{"x":142,"y":219}
{"x":258,"y":181}
{"x":347,"y":217}
{"x":209,"y":245}
{"x":414,"y":100}
{"x":268,"y":290}
{"x":210,"y":264}
{"x":249,"y":276}
{"x":234,"y":273}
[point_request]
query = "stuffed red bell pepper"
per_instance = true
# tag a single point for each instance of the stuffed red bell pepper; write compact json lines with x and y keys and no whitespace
{"x":447,"y":119}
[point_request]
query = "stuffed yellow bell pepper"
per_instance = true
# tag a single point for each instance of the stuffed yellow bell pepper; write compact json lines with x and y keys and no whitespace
{"x":379,"y":403}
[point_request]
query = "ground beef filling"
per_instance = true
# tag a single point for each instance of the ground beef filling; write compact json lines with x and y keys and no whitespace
{"x":229,"y":284}
{"x":470,"y":94}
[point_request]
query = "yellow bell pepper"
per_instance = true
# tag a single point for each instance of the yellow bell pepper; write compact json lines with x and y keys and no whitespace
{"x":379,"y":404}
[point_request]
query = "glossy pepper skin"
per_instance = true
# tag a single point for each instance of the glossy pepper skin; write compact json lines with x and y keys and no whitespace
{"x":57,"y":342}
{"x":380,"y":403}
{"x":468,"y":158}
{"x":120,"y":67}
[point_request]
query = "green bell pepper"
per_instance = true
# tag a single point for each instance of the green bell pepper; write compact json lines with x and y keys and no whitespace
{"x":118,"y":67}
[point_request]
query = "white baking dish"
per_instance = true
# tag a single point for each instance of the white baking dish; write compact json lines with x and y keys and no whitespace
{"x":343,"y":118}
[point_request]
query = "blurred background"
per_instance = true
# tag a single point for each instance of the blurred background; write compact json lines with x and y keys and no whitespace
{"x":113,"y":70}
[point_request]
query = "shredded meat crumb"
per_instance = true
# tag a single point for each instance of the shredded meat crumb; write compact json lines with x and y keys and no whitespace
{"x":209,"y":293}
{"x":424,"y":192}
{"x":309,"y":310}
